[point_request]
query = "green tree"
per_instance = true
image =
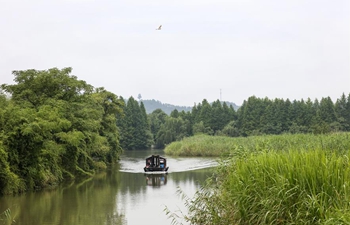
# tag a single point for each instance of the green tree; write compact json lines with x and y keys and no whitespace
{"x":56,"y":126}
{"x":200,"y":128}
{"x":326,"y":110}
{"x":270,"y":120}
{"x":174,"y":129}
{"x":230,"y":130}
{"x":112,"y":107}
{"x":218,"y":119}
{"x":249,"y":115}
{"x":342,"y":113}
{"x":187,"y":117}
{"x":205,"y":113}
{"x":174,"y":113}
{"x":157,"y":119}
{"x":135,"y":131}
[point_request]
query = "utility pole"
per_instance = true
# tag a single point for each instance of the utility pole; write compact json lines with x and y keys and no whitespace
{"x":220,"y":95}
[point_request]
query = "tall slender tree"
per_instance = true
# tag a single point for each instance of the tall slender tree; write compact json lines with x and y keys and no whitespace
{"x":342,"y":113}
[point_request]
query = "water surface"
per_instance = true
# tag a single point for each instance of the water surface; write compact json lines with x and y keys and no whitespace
{"x":121,"y":195}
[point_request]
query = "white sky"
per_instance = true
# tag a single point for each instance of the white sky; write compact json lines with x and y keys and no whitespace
{"x":273,"y":48}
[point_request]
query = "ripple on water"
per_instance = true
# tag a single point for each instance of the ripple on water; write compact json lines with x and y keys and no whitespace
{"x":180,"y":164}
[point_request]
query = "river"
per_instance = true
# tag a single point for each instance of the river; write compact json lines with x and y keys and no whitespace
{"x":121,"y":195}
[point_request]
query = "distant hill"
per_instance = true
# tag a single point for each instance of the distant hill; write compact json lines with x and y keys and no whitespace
{"x":151,"y":105}
{"x":233,"y":105}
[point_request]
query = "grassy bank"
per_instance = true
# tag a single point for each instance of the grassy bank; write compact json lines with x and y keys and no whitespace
{"x":205,"y":145}
{"x":287,"y":179}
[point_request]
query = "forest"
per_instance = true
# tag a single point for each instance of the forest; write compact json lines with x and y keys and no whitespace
{"x":256,"y":116}
{"x":54,"y":127}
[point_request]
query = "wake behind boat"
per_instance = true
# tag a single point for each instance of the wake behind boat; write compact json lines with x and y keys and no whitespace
{"x":156,"y":164}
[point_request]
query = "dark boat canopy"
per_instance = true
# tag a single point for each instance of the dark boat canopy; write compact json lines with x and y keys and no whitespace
{"x":156,"y":163}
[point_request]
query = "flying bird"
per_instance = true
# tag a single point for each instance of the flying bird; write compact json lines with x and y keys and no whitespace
{"x":159,"y":28}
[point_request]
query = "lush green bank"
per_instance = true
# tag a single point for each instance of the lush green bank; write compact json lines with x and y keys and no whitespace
{"x":288,"y":179}
{"x":54,"y":127}
{"x":205,"y":145}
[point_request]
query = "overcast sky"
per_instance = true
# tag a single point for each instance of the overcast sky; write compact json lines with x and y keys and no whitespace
{"x":272,"y":48}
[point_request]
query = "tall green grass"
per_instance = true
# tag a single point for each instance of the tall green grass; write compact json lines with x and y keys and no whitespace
{"x":292,"y":187}
{"x":6,"y":218}
{"x":287,"y":179}
{"x":205,"y":145}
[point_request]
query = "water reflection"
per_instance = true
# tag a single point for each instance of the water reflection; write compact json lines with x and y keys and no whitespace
{"x":85,"y":202}
{"x":156,"y":180}
{"x":121,"y":195}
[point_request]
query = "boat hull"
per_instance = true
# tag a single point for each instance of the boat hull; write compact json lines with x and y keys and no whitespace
{"x":155,"y":170}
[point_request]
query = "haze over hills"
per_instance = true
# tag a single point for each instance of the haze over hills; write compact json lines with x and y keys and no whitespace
{"x":151,"y":105}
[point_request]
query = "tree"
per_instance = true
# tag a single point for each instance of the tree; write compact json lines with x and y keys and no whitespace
{"x":135,"y":130}
{"x":200,"y":128}
{"x":342,"y":113}
{"x":157,"y":118}
{"x":174,"y":129}
{"x":218,"y":119}
{"x":57,"y":127}
{"x":112,"y":109}
{"x":326,"y":110}
{"x":249,"y":115}
{"x":230,"y":130}
{"x":34,"y":87}
{"x":174,"y":113}
{"x":205,"y":113}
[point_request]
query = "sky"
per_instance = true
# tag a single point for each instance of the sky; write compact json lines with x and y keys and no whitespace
{"x":207,"y":49}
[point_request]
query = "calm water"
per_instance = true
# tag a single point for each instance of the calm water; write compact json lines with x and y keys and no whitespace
{"x":121,"y":195}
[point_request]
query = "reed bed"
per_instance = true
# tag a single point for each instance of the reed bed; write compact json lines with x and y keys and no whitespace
{"x":286,"y":179}
{"x":291,"y":187}
{"x":205,"y":145}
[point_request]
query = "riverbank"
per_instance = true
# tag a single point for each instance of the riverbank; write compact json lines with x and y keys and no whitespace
{"x":286,"y":179}
{"x":205,"y":145}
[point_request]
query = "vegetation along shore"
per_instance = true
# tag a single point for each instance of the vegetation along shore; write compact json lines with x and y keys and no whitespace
{"x":284,"y":179}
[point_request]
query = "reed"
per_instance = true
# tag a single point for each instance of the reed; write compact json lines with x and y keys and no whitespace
{"x":6,"y":218}
{"x":291,"y":187}
{"x":205,"y":145}
{"x":286,"y":179}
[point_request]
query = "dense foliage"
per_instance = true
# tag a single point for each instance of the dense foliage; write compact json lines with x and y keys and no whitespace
{"x":255,"y":117}
{"x":135,"y":130}
{"x":279,"y":179}
{"x":204,"y":118}
{"x":54,"y":127}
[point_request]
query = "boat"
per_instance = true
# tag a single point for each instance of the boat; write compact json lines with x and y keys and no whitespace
{"x":156,"y":164}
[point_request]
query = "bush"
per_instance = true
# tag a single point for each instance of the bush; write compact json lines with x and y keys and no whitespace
{"x":9,"y":182}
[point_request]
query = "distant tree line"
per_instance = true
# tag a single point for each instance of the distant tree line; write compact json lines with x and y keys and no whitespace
{"x":257,"y":116}
{"x":151,"y":105}
{"x":265,"y":116}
